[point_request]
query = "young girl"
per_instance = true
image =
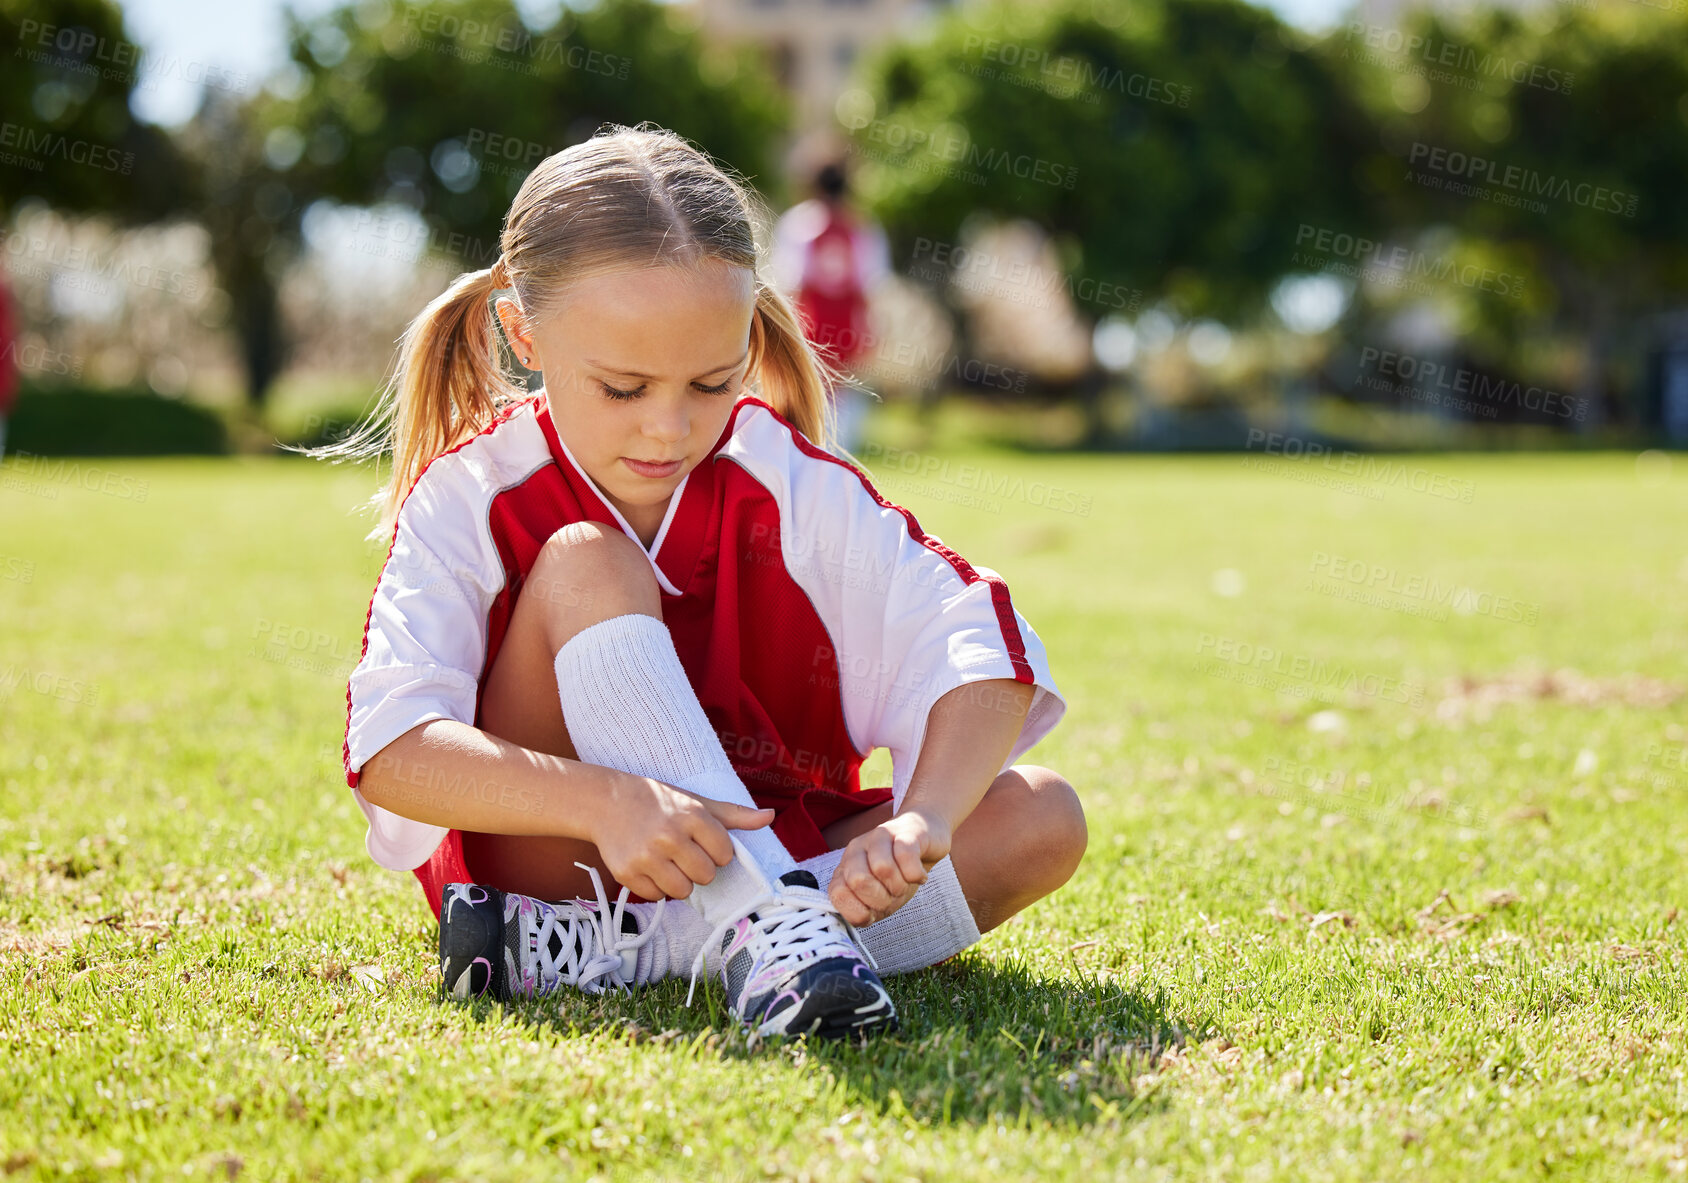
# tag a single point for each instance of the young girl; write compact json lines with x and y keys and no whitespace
{"x":643,"y":626}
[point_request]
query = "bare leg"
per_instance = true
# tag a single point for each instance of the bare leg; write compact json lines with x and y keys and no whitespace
{"x":586,"y":573}
{"x":1023,"y":841}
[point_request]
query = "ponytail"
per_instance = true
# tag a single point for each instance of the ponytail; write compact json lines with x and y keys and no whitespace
{"x":792,"y":376}
{"x":449,"y":384}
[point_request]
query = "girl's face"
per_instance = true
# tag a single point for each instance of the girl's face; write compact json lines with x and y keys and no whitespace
{"x":642,"y":369}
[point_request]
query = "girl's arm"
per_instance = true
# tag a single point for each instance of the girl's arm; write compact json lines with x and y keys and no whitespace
{"x":655,"y":839}
{"x":969,"y":734}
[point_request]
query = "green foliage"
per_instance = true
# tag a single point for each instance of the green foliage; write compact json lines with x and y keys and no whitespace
{"x":70,"y":139}
{"x":1552,"y":147}
{"x":447,"y":108}
{"x":1171,"y":148}
{"x":1583,"y":112}
{"x":442,"y":108}
{"x":1186,"y":151}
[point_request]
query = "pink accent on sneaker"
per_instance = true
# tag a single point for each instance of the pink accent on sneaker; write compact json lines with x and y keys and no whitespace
{"x":741,"y":934}
{"x":791,"y":994}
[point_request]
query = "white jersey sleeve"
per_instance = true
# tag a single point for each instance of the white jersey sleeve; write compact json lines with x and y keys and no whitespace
{"x":909,"y":619}
{"x":426,"y":640}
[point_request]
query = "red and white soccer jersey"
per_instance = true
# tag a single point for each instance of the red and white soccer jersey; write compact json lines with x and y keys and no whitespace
{"x":815,"y":620}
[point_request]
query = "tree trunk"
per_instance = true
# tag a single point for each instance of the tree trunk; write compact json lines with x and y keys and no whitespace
{"x":257,"y":318}
{"x":1090,"y":388}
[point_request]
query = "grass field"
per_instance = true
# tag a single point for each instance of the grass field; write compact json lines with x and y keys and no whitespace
{"x":1383,"y":878}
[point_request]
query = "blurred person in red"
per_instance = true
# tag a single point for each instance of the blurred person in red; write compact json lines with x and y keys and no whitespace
{"x":829,"y":257}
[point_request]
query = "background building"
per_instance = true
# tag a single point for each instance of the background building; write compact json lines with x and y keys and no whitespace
{"x":812,"y":46}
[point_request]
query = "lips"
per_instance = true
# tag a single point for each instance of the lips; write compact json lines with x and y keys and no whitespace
{"x":653,"y":468}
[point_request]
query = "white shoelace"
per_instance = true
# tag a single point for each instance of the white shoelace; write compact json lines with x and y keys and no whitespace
{"x":577,"y":964}
{"x":789,"y":925}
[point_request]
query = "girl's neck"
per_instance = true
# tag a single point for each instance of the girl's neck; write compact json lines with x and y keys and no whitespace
{"x":646,"y":520}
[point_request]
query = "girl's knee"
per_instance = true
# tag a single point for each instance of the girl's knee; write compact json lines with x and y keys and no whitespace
{"x":587,"y":572}
{"x":1048,"y":818}
{"x":593,"y":547}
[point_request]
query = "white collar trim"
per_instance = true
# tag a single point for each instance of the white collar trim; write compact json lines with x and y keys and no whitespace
{"x":662,"y":579}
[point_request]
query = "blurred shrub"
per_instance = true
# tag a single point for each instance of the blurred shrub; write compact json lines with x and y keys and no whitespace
{"x":85,"y":421}
{"x":319,"y":427}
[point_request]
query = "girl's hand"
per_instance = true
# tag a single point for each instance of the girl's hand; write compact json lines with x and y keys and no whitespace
{"x":881,"y":868}
{"x":658,"y":840}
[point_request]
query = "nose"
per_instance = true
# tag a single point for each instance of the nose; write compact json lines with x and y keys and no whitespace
{"x":668,"y":423}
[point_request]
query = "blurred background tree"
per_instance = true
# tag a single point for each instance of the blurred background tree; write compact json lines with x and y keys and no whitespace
{"x":1207,"y":135}
{"x":1556,"y":150}
{"x":1174,"y":148}
{"x":65,"y":93}
{"x":445,"y":117}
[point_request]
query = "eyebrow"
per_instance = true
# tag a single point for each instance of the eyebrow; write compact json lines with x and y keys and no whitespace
{"x":652,"y":377}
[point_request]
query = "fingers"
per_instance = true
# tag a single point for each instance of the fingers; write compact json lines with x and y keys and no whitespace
{"x":738,"y":817}
{"x":882,"y":861}
{"x":643,"y":886}
{"x":668,"y":880}
{"x":909,"y":862}
{"x":851,"y":907}
{"x":857,"y":872}
{"x":676,"y":861}
{"x":696,"y":863}
{"x":877,"y":875}
{"x":843,"y":897}
{"x":895,"y":861}
{"x":713,"y":838}
{"x":671,"y":881}
{"x":848,"y":905}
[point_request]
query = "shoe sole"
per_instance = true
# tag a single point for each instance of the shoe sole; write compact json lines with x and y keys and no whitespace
{"x":838,"y":1027}
{"x":882,"y":1024}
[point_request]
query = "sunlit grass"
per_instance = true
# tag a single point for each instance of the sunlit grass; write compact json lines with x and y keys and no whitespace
{"x":1383,"y":880}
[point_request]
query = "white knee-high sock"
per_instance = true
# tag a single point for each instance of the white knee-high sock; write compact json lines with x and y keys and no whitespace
{"x":628,"y":705}
{"x":935,"y":924}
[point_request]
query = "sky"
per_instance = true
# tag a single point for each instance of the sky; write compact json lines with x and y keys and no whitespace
{"x":183,"y":38}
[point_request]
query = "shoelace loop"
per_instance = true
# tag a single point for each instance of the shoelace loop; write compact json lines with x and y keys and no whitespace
{"x":577,"y":964}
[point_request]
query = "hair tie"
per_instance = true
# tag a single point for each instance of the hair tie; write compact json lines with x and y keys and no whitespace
{"x":500,"y":273}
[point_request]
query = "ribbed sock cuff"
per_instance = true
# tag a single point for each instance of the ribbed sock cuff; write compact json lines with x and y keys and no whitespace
{"x":675,"y":945}
{"x":935,"y":924}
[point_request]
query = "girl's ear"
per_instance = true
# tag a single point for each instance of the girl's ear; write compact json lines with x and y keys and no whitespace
{"x":516,"y":330}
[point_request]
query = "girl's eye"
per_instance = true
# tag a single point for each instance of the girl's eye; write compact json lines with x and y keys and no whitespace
{"x":626,"y":394}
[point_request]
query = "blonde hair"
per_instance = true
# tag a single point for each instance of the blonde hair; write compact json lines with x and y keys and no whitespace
{"x":629,"y":197}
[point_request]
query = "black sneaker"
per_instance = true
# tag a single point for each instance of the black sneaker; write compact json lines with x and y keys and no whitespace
{"x":792,"y":967}
{"x":505,"y":945}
